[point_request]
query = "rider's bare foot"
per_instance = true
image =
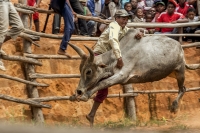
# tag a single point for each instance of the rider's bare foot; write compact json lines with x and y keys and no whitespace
{"x":90,"y":119}
{"x":62,"y":52}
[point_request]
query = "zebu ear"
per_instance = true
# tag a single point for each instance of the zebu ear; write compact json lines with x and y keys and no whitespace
{"x":78,"y":50}
{"x":91,"y":57}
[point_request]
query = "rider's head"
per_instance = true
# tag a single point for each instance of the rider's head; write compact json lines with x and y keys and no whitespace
{"x":121,"y":17}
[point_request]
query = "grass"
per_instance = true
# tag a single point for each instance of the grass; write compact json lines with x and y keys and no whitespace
{"x":179,"y":127}
{"x":127,"y":124}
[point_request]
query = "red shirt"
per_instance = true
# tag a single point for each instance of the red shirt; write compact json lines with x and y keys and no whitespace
{"x":33,"y":3}
{"x":184,"y":9}
{"x":166,"y":18}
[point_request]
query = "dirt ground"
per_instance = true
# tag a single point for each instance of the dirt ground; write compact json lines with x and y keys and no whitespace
{"x":110,"y":114}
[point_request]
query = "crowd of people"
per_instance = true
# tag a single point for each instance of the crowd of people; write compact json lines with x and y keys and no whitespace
{"x":140,"y":11}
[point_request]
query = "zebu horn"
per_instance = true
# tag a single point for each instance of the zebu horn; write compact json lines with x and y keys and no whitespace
{"x":91,"y":58}
{"x":78,"y":50}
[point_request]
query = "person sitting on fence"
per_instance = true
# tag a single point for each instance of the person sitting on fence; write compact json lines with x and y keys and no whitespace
{"x":191,"y":16}
{"x":77,"y":8}
{"x":90,"y":23}
{"x":8,"y":17}
{"x":95,"y":7}
{"x":64,"y":9}
{"x":35,"y":4}
{"x":110,"y":40}
{"x":170,"y":16}
{"x":183,"y":7}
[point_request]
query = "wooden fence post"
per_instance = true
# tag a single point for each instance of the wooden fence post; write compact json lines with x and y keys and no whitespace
{"x":29,"y":68}
{"x":129,"y":103}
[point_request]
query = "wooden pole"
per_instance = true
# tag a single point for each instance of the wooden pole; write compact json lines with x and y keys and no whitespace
{"x":129,"y":103}
{"x":22,"y":59}
{"x":28,"y":101}
{"x":29,"y":68}
{"x":131,"y":93}
{"x":40,"y":56}
{"x":72,"y":98}
{"x":191,"y":45}
{"x":180,"y":31}
{"x":51,"y":76}
{"x":22,"y":80}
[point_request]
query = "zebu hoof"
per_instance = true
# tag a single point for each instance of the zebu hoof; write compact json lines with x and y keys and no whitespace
{"x":84,"y":98}
{"x":174,"y":107}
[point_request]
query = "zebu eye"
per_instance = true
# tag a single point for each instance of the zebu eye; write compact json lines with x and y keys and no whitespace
{"x":89,"y":72}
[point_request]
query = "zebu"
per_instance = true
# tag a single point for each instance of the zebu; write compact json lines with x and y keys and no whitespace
{"x":150,"y":59}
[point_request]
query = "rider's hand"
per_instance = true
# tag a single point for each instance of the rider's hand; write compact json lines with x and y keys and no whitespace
{"x":120,"y":63}
{"x":139,"y":35}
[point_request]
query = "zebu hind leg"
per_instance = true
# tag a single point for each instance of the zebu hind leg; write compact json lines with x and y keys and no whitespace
{"x":180,"y":77}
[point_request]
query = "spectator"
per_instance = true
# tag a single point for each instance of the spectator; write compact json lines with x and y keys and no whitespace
{"x":152,"y":11}
{"x":134,"y":5}
{"x":123,"y":2}
{"x":110,"y":40}
{"x":90,"y":23}
{"x":170,"y":16}
{"x":194,"y":4}
{"x":36,"y":14}
{"x":191,"y":16}
{"x":149,"y":18}
{"x":105,"y":11}
{"x":8,"y":17}
{"x":141,"y":4}
{"x":95,"y":7}
{"x":114,"y":5}
{"x":67,"y":13}
{"x":77,"y":8}
{"x":139,"y":15}
{"x":160,"y":7}
{"x":183,"y":7}
{"x":149,"y":3}
{"x":128,"y":8}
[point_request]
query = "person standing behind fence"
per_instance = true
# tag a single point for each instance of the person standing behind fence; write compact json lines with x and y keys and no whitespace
{"x":35,"y":4}
{"x":64,"y":8}
{"x":8,"y":17}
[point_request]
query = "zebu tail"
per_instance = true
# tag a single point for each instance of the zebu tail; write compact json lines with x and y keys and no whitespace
{"x":192,"y":66}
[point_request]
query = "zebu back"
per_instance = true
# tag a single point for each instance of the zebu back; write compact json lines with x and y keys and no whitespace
{"x":151,"y":58}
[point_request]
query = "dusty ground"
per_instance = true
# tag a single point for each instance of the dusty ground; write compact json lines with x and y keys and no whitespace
{"x":110,"y":114}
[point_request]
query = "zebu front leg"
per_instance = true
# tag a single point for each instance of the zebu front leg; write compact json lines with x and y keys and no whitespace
{"x":180,"y":76}
{"x":113,"y":80}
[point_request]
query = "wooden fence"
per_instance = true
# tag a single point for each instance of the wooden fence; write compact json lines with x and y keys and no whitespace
{"x":30,"y":60}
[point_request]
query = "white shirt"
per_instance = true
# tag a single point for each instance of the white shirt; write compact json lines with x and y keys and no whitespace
{"x":97,"y":7}
{"x":196,"y":19}
{"x":110,"y":38}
